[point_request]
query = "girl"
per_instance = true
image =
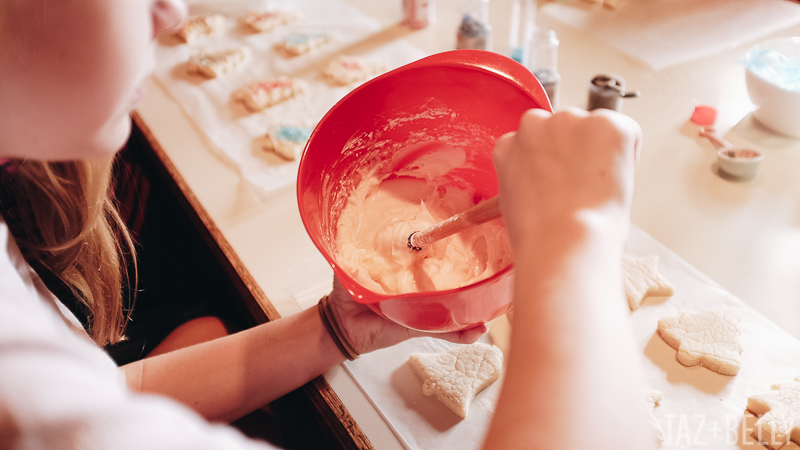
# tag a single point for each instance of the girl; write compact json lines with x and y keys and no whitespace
{"x":70,"y":72}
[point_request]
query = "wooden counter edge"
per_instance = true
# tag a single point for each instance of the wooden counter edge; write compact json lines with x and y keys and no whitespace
{"x":336,"y":421}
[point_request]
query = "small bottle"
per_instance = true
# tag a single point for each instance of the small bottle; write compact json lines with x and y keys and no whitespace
{"x":543,"y":62}
{"x":474,"y":32}
{"x":418,"y":14}
{"x":523,"y":23}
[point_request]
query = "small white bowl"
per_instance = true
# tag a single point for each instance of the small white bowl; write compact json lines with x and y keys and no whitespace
{"x":741,"y":163}
{"x":778,"y":107}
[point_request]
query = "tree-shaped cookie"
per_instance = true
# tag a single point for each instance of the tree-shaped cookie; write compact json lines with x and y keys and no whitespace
{"x":641,"y":279}
{"x":456,"y":376}
{"x":653,"y":398}
{"x":709,"y":338}
{"x":778,"y":415}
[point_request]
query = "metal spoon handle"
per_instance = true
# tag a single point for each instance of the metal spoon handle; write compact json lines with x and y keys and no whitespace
{"x":478,"y":214}
{"x":719,"y":142}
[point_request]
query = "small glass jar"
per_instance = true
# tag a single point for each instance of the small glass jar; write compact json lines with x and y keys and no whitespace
{"x":543,"y":62}
{"x":523,"y":24}
{"x":474,"y":32}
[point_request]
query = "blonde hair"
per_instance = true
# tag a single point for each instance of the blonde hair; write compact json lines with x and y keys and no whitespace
{"x":68,"y":224}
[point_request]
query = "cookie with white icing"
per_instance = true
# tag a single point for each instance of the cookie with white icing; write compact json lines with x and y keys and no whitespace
{"x":641,"y":279}
{"x":202,"y":25}
{"x":350,"y":69}
{"x":296,"y":44}
{"x":260,"y":94}
{"x":286,"y":141}
{"x":709,"y":338}
{"x":653,"y":398}
{"x":214,"y":64}
{"x":456,"y":376}
{"x":264,"y":22}
{"x":778,"y":414}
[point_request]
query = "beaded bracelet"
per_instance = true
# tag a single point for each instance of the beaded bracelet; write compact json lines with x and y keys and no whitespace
{"x":329,"y":320}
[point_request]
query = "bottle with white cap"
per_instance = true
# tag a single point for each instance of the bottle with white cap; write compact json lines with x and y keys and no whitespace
{"x":523,"y":23}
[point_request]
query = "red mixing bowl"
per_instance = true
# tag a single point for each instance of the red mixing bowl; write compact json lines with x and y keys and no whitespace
{"x":464,"y":99}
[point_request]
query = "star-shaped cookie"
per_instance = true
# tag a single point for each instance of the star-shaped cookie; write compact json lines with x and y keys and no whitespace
{"x":778,"y":415}
{"x":709,"y":338}
{"x":653,"y":398}
{"x":641,"y":279}
{"x":456,"y":376}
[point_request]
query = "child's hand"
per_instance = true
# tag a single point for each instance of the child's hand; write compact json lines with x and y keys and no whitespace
{"x":556,"y":167}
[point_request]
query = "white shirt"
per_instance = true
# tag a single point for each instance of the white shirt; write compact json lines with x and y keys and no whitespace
{"x":58,"y":390}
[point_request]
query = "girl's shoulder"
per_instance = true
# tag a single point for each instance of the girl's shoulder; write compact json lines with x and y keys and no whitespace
{"x":28,"y":310}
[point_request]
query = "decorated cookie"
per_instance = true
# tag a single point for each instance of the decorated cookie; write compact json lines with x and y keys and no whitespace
{"x":653,"y":398}
{"x":261,"y":94}
{"x":641,"y":279}
{"x":203,"y":25}
{"x":214,"y":64}
{"x":286,"y":141}
{"x":778,"y":414}
{"x":264,"y":22}
{"x":456,"y":376}
{"x":298,"y":43}
{"x":611,"y":4}
{"x":350,"y":69}
{"x":709,"y":338}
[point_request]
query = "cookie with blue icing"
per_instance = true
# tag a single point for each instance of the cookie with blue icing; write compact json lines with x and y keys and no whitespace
{"x":296,"y":44}
{"x":286,"y":141}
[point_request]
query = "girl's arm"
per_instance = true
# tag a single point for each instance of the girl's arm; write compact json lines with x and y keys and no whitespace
{"x":572,"y":377}
{"x":229,"y":377}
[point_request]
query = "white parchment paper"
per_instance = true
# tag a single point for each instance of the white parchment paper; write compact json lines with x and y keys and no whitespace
{"x":700,"y":408}
{"x":232,"y":129}
{"x":664,"y":33}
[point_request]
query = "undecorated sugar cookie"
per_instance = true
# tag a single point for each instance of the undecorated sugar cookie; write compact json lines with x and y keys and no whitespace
{"x":778,"y":415}
{"x":653,"y":398}
{"x":214,"y":64}
{"x":286,"y":141}
{"x":456,"y":376}
{"x":350,"y":69}
{"x":641,"y":279}
{"x":264,"y":22}
{"x":202,"y":25}
{"x":298,"y":43}
{"x":709,"y":338}
{"x":261,"y":94}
